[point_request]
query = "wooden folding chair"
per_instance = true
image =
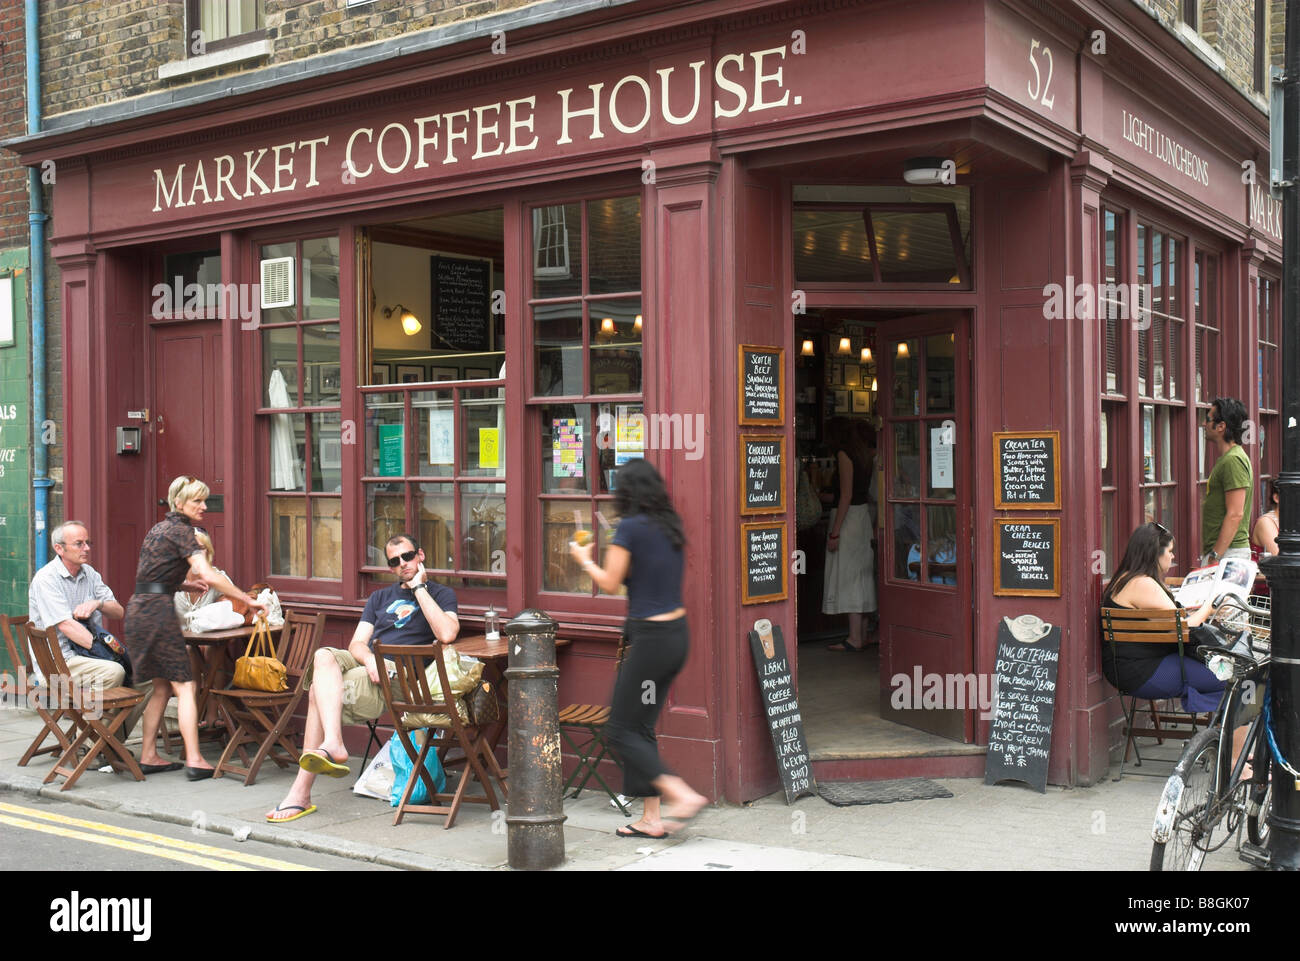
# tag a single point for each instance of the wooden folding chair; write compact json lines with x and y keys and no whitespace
{"x":583,"y":728}
{"x":263,"y":718}
{"x":32,"y":694}
{"x":412,"y":705}
{"x":64,"y":696}
{"x":1121,"y":625}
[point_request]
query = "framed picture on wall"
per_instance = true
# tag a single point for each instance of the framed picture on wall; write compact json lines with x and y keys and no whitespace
{"x":852,"y":375}
{"x":410,"y":373}
{"x":331,"y":453}
{"x":841,"y":401}
{"x":329,"y":380}
{"x":439,"y":374}
{"x":862,"y":402}
{"x":380,"y":374}
{"x":478,"y":373}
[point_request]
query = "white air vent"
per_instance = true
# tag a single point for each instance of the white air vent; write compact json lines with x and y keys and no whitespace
{"x":277,"y":282}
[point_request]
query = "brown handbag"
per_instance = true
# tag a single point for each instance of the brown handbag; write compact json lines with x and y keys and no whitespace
{"x":258,"y":669}
{"x":482,"y":704}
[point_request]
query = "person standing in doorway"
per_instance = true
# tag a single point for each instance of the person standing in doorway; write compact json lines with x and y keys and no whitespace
{"x":850,"y":585}
{"x":1225,"y":512}
{"x":647,"y":552}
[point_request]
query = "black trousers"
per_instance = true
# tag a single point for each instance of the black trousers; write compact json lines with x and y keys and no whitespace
{"x":655,"y":654}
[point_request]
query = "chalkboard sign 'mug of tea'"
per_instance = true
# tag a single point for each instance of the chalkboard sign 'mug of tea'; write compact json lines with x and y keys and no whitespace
{"x":1024,"y":699}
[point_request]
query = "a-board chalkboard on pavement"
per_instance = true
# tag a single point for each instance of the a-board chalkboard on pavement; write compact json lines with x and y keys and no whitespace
{"x":1024,"y":697}
{"x":781,"y":708}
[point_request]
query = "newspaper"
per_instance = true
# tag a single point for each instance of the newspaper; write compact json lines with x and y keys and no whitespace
{"x":1232,"y":575}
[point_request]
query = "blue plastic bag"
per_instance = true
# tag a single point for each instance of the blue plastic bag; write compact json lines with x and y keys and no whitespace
{"x":403,"y":763}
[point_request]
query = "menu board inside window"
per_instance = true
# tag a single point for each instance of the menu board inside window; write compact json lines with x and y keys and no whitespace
{"x":762,"y":385}
{"x":460,"y":291}
{"x":1027,"y":470}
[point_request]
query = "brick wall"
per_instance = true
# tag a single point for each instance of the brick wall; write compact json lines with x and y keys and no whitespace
{"x":99,"y":51}
{"x":13,"y":122}
{"x":1228,"y":26}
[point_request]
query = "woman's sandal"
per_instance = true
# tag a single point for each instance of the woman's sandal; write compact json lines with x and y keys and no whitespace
{"x":844,"y":647}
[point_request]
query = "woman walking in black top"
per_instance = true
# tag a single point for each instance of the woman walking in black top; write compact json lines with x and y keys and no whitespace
{"x":646,"y":552}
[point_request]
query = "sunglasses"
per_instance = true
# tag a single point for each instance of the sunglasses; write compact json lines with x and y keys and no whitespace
{"x":402,"y":558}
{"x":1162,"y":529}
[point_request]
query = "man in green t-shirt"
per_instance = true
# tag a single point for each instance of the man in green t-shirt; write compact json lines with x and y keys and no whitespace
{"x":1225,"y":512}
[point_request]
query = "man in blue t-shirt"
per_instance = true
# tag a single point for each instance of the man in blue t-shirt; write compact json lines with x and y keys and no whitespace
{"x":344,"y":684}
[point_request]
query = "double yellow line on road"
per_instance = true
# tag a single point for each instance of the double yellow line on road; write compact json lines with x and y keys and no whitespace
{"x":141,"y":842}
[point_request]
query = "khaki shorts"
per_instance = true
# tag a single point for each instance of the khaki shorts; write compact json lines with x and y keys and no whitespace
{"x":363,"y":699}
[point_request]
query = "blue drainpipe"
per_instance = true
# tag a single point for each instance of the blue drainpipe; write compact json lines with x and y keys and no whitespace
{"x":41,"y":482}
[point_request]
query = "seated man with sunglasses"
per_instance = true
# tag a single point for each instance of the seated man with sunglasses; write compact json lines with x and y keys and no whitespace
{"x":344,"y":685}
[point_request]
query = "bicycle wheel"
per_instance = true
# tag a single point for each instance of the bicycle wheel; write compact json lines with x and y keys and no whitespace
{"x":1257,"y":823}
{"x":1192,"y":830}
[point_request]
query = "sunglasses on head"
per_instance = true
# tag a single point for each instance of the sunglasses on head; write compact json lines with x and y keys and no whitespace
{"x":1162,"y":529}
{"x":402,"y":558}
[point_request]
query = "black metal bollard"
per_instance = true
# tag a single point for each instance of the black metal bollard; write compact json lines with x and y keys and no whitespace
{"x":535,"y":811}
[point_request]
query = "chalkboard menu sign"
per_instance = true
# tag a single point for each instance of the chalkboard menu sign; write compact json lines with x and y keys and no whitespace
{"x":762,"y":474}
{"x":781,"y":708}
{"x":1024,"y":697}
{"x":1027,"y":470}
{"x":1028,"y":562}
{"x":460,"y":291}
{"x":762,"y":385}
{"x":762,"y":546}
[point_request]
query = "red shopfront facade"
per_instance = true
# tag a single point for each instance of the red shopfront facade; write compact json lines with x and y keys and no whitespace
{"x":673,"y":170}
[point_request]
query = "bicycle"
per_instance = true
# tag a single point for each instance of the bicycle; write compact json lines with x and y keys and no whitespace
{"x":1206,"y":788}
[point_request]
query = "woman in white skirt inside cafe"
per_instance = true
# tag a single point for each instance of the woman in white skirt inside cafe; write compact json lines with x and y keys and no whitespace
{"x":850,"y":585}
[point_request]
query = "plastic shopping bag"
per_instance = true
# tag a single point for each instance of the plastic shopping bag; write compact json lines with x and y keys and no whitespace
{"x":376,"y":780}
{"x":402,"y":767}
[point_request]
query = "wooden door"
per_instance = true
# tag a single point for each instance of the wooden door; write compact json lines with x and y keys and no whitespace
{"x":925,"y":525}
{"x":187,"y":431}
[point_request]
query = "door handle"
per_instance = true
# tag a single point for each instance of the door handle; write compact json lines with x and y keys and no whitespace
{"x":161,"y":426}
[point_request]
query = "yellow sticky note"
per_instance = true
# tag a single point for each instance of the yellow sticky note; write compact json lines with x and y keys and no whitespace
{"x":489,"y":440}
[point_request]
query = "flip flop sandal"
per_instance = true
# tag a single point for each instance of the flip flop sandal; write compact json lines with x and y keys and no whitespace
{"x":628,"y":831}
{"x":844,"y":647}
{"x":318,"y":762}
{"x":302,"y":813}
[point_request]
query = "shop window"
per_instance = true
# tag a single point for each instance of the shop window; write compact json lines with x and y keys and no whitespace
{"x":222,"y":23}
{"x":1117,"y":317}
{"x":1205,"y":283}
{"x":438,"y":457}
{"x":1269,"y":374}
{"x":586,"y":390}
{"x":302,"y":384}
{"x":897,"y":236}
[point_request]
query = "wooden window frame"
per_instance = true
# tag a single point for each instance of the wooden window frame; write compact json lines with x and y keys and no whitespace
{"x":194,"y":19}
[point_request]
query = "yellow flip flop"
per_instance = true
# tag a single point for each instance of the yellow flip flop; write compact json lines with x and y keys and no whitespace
{"x":318,"y":762}
{"x":302,"y":813}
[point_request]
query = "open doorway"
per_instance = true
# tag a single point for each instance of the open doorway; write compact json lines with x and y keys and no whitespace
{"x":897,"y":382}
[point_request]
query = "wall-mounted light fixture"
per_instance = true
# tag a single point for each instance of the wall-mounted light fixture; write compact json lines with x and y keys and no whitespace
{"x":902,"y":348}
{"x":846,"y":347}
{"x":866,"y":355}
{"x":807,"y":349}
{"x":873,"y":385}
{"x":925,"y":171}
{"x":410,"y":323}
{"x":636,"y":324}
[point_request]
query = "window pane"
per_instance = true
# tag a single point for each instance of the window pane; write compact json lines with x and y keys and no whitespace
{"x":327,"y":453}
{"x":289,"y":536}
{"x":614,"y":254}
{"x":1107,"y":533}
{"x":557,"y":338}
{"x":620,"y":437}
{"x":564,"y":449}
{"x":940,"y":439}
{"x":1149,"y":505}
{"x":200,"y":267}
{"x":385,"y":436}
{"x":1158,"y":355}
{"x":1176,"y":334}
{"x":615,"y":346}
{"x":831,"y":246}
{"x":907,"y":542}
{"x":436,"y":506}
{"x":1157,"y":272}
{"x":1175,"y":306}
{"x":327,"y":537}
{"x":1148,"y":443}
{"x":557,"y":251}
{"x":1109,"y":421}
{"x":320,"y":278}
{"x":280,"y":353}
{"x":483,"y":518}
{"x":483,"y":450}
{"x":385,"y":518}
{"x":907,"y":394}
{"x":288,"y":438}
{"x":940,"y":377}
{"x":1166,"y":451}
{"x":321,"y":371}
{"x":914,"y":247}
{"x":941,"y":537}
{"x":907,"y":460}
{"x":435,"y":432}
{"x":1167,"y":508}
{"x":560,"y":521}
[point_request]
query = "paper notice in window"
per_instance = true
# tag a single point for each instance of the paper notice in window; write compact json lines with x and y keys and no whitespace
{"x":441,"y":436}
{"x":488,"y":440}
{"x":941,"y":439}
{"x":566,"y":447}
{"x":629,"y":435}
